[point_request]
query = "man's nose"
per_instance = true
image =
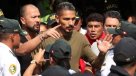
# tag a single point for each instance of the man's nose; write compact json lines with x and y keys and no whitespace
{"x":71,"y":22}
{"x":93,"y":28}
{"x":37,"y":19}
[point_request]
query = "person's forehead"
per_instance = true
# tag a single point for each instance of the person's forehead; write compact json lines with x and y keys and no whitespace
{"x":110,"y":20}
{"x":68,"y":13}
{"x":94,"y":23}
{"x":32,"y":11}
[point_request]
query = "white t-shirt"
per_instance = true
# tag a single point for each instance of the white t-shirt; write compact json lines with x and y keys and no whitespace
{"x":95,"y":49}
{"x":82,"y":31}
{"x":108,"y":62}
{"x":9,"y":65}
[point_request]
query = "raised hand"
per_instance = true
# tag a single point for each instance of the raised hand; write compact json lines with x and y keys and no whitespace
{"x":105,"y":44}
{"x":39,"y":56}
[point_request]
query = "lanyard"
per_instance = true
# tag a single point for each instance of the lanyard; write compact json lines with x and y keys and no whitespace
{"x":12,"y":53}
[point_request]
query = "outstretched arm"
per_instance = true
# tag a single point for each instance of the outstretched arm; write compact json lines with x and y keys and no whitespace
{"x":30,"y":45}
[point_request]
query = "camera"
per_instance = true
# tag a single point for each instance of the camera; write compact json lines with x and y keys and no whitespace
{"x":46,"y":55}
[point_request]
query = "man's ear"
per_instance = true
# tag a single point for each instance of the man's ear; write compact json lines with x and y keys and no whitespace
{"x":22,"y":20}
{"x":11,"y":36}
{"x":57,"y":18}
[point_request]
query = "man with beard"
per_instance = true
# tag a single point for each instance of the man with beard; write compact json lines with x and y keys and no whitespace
{"x":80,"y":47}
{"x":30,"y":19}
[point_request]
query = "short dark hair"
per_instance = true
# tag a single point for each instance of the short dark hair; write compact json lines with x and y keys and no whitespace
{"x":55,"y":3}
{"x":62,"y":62}
{"x":22,"y":10}
{"x":64,"y":6}
{"x":113,"y":14}
{"x":95,"y":17}
{"x":4,"y":36}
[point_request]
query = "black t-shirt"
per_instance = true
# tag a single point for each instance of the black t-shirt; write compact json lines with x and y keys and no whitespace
{"x":26,"y":59}
{"x":118,"y":71}
{"x":56,"y":70}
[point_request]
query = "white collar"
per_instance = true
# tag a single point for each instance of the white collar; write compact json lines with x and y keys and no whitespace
{"x":5,"y":46}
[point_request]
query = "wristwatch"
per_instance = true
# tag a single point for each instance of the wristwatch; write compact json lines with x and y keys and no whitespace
{"x":34,"y":62}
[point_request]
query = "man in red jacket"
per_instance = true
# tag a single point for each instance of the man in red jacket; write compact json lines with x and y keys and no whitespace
{"x":95,"y":28}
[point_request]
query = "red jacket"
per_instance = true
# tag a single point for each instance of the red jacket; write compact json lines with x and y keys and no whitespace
{"x":91,"y":41}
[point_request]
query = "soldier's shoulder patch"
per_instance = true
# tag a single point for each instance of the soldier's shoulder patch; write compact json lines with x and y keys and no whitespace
{"x":12,"y":69}
{"x":1,"y":13}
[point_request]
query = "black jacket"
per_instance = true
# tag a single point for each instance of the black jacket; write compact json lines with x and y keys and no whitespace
{"x":118,"y":71}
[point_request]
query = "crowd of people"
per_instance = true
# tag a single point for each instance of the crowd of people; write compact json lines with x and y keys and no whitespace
{"x":57,"y":45}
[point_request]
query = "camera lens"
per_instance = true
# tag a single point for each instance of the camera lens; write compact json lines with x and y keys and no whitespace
{"x":46,"y":55}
